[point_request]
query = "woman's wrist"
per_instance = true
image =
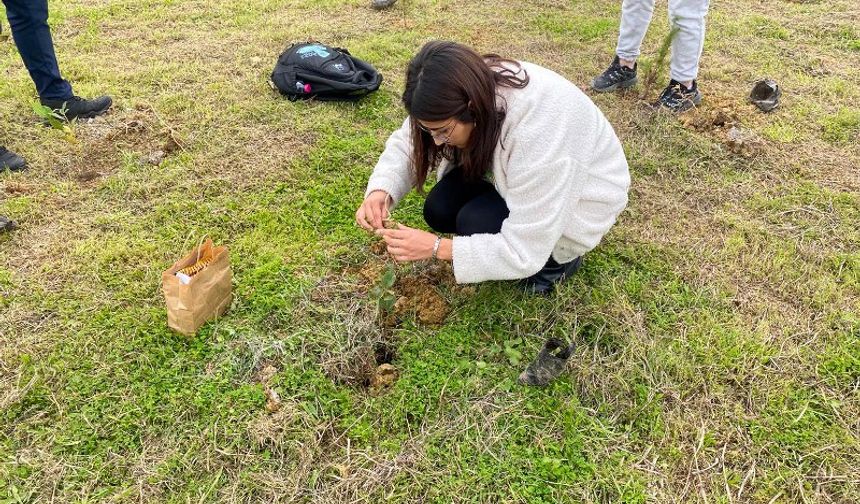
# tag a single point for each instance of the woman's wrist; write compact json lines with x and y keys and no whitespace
{"x":446,"y":250}
{"x":436,"y":247}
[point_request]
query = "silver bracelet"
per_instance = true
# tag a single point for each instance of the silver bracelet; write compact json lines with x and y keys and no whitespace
{"x":436,"y":246}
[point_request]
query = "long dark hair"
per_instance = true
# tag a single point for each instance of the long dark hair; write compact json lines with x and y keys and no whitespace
{"x":445,"y":80}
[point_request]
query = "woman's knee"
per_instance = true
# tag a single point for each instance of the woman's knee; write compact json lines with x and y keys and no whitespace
{"x":478,"y":219}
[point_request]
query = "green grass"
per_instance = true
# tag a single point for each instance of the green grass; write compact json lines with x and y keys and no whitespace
{"x":718,"y":353}
{"x":843,"y":126}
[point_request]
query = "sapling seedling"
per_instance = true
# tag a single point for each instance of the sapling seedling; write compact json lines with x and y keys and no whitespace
{"x":659,"y":63}
{"x":383,"y":290}
{"x":56,"y":119}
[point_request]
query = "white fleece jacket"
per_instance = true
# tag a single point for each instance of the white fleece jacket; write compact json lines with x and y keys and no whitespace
{"x":559,"y":167}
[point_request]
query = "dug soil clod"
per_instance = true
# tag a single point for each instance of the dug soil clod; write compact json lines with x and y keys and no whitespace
{"x":418,"y":295}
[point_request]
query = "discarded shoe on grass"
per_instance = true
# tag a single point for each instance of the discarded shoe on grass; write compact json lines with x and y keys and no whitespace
{"x":11,"y":161}
{"x":549,"y":363}
{"x":765,"y":95}
{"x":382,"y":4}
{"x":7,"y":225}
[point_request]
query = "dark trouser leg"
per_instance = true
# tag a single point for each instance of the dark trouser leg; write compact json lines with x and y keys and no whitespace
{"x":483,"y":214}
{"x":29,"y":22}
{"x":451,"y":195}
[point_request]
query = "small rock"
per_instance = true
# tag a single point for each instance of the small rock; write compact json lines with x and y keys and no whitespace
{"x":156,"y":157}
{"x":266,"y":374}
{"x":742,"y":141}
{"x":385,"y":376}
{"x":273,"y":400}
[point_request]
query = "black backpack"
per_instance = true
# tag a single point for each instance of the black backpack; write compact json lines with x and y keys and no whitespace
{"x":314,"y":70}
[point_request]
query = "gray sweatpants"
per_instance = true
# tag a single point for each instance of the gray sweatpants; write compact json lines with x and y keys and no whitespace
{"x":688,"y":15}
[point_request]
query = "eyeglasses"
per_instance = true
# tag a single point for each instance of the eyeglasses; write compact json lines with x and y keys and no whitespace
{"x":439,"y":133}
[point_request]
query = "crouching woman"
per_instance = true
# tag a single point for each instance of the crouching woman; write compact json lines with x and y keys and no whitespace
{"x":530,"y":174}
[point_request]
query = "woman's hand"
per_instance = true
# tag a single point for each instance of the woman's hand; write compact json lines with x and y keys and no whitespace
{"x":407,"y":244}
{"x":373,"y":210}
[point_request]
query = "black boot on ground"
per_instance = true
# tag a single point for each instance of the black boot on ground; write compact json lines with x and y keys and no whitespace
{"x":80,"y":108}
{"x":11,"y":161}
{"x":544,"y":281}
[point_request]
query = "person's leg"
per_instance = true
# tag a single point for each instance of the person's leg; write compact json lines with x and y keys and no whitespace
{"x":689,"y":17}
{"x":484,"y":213}
{"x":635,"y":18}
{"x":448,"y":197}
{"x":621,"y":74}
{"x":28,"y":20}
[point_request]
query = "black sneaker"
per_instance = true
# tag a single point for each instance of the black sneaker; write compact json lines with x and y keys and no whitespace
{"x":80,"y":108}
{"x":11,"y":161}
{"x":616,"y":77}
{"x":678,"y":98}
{"x":544,"y":281}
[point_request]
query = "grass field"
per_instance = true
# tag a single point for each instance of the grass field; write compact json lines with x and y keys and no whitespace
{"x":718,"y":323}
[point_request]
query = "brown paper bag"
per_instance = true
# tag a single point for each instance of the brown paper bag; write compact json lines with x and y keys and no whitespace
{"x":206,"y":296}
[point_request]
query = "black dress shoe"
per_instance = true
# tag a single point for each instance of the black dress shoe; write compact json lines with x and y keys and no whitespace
{"x":79,"y":108}
{"x":544,"y":281}
{"x":7,"y":225}
{"x":10,"y":160}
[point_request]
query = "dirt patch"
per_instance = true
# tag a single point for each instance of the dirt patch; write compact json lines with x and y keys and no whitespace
{"x":87,"y":176}
{"x":104,"y":140}
{"x":419,"y":296}
{"x":709,"y":120}
{"x":369,"y":272}
{"x":384,"y":353}
{"x":367,"y":367}
{"x":719,"y":120}
{"x":362,"y":350}
{"x":378,"y":248}
{"x":18,"y":188}
{"x":416,"y":294}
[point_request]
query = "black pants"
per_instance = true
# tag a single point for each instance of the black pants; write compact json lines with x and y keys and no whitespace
{"x":29,"y":22}
{"x":464,"y":208}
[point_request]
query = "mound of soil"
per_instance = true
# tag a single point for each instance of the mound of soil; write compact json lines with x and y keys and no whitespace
{"x":418,"y":295}
{"x":719,"y":120}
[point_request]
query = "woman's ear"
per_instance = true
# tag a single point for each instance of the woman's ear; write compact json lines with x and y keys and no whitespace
{"x":468,"y":115}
